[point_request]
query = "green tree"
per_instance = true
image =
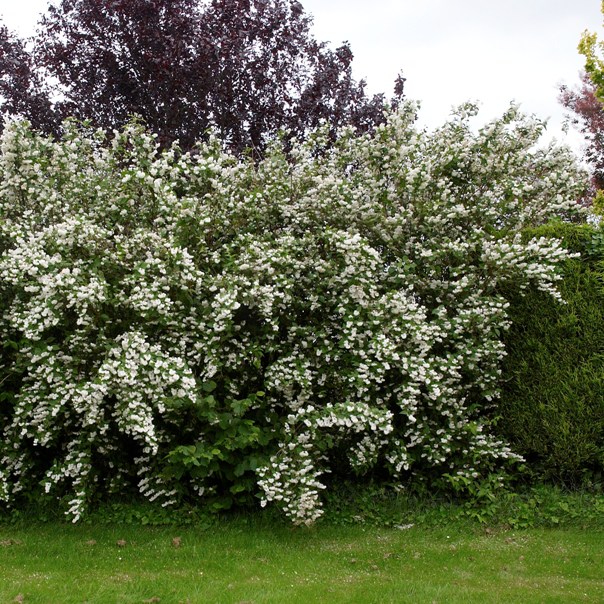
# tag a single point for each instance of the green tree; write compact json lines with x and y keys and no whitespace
{"x":593,"y":49}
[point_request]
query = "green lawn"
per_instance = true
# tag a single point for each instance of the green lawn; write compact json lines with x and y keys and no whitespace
{"x":237,"y":563}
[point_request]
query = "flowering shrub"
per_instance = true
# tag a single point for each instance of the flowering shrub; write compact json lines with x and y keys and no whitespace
{"x":202,"y":326}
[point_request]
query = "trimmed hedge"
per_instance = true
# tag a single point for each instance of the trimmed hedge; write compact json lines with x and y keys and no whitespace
{"x":552,"y":405}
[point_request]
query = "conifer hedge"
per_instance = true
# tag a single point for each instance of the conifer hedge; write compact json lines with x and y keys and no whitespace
{"x":552,"y":404}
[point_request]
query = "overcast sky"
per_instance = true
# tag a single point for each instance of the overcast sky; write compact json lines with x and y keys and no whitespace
{"x":450,"y":51}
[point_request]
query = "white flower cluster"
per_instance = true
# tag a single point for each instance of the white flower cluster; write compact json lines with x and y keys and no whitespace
{"x":292,"y":475}
{"x":358,"y":287}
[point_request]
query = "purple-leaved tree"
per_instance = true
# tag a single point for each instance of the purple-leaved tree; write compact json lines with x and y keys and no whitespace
{"x":587,"y":114}
{"x":21,"y":90}
{"x":244,"y":68}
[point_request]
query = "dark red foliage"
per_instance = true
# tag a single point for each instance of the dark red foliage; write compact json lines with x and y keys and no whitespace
{"x":116,"y":58}
{"x":21,"y":90}
{"x":588,"y":117}
{"x":245,"y":68}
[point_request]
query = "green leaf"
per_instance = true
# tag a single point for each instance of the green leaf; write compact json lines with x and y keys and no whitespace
{"x":209,"y":386}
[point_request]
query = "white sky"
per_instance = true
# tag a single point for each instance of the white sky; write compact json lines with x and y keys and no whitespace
{"x":450,"y":51}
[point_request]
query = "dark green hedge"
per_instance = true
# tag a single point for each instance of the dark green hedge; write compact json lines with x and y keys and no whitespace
{"x":552,"y":406}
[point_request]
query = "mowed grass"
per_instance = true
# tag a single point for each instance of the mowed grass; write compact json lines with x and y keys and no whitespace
{"x":255,"y":563}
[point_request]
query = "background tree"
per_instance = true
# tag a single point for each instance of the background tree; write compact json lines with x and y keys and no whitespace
{"x":246,"y":68}
{"x":591,"y":48}
{"x":21,"y":90}
{"x":586,"y":105}
{"x":588,"y":116}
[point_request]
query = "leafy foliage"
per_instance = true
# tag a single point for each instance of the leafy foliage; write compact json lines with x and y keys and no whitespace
{"x":243,"y":68}
{"x":587,"y":113}
{"x":205,"y":327}
{"x":539,"y":505}
{"x":21,"y":90}
{"x":590,"y":47}
{"x":588,"y":116}
{"x":552,"y":406}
